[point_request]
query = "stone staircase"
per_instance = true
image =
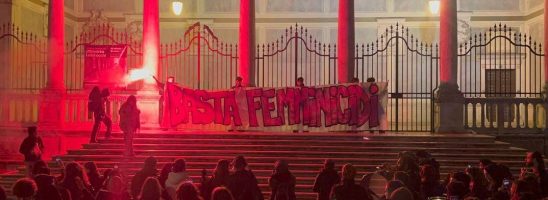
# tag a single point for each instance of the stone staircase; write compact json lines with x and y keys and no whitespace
{"x":304,"y":151}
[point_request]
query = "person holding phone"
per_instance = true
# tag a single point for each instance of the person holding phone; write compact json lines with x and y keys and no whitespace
{"x":32,"y":148}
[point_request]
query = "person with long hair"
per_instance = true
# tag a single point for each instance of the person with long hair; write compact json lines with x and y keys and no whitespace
{"x":94,"y":177}
{"x":282,"y":182}
{"x":164,"y":173}
{"x":129,"y":122}
{"x":217,"y":179}
{"x":430,"y":184}
{"x":151,"y":190}
{"x":187,"y":191}
{"x":242,"y":182}
{"x":326,"y":179}
{"x":478,"y":183}
{"x":75,"y":181}
{"x":101,"y":114}
{"x":534,"y":163}
{"x":114,"y":190}
{"x":221,"y":193}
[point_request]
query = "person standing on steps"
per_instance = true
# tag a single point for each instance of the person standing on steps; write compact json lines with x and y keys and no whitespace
{"x":238,"y":84}
{"x":129,"y":122}
{"x":299,"y":83}
{"x":94,"y":101}
{"x":326,"y":179}
{"x":101,"y":114}
{"x":32,"y":148}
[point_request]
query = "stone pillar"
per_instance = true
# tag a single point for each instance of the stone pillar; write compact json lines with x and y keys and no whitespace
{"x":346,"y":41}
{"x":148,"y":97}
{"x":246,"y":46}
{"x":449,"y":99}
{"x":151,"y":38}
{"x":52,"y":102}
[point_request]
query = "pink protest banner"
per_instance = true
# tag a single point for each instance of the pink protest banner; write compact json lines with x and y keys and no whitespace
{"x":347,"y":106}
{"x":104,"y":64}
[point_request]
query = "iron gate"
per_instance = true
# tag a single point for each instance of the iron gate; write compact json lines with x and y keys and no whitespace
{"x":199,"y":60}
{"x":501,"y":74}
{"x":411,"y":69}
{"x":296,"y":54}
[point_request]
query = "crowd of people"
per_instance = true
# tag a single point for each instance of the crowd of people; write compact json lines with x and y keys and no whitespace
{"x":416,"y":176}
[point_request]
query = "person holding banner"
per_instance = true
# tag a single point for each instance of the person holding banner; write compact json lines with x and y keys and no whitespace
{"x":300,"y":128}
{"x":238,"y":83}
{"x":101,"y":114}
{"x":165,"y":106}
{"x":237,"y":86}
{"x":382,"y":127}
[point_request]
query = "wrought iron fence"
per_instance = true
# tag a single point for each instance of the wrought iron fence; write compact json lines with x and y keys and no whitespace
{"x":296,"y":54}
{"x":100,"y":35}
{"x":501,"y":75}
{"x":411,"y":69}
{"x":200,"y":60}
{"x":23,"y":59}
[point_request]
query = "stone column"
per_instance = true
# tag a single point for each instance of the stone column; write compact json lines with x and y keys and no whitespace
{"x":151,"y":37}
{"x":449,"y":99}
{"x":246,"y":46}
{"x":346,"y":41}
{"x":52,"y":102}
{"x":148,"y":97}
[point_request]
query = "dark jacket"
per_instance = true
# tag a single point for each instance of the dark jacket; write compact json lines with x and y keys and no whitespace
{"x":27,"y":147}
{"x":282,"y":186}
{"x":433,"y":189}
{"x":75,"y":192}
{"x":324,"y":182}
{"x":46,"y":188}
{"x":139,"y":179}
{"x":244,"y":186}
{"x":349,"y":190}
{"x":96,"y":182}
{"x":210,"y":184}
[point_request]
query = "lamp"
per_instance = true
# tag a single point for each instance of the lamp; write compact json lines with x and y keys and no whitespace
{"x":177,"y":7}
{"x":434,"y":6}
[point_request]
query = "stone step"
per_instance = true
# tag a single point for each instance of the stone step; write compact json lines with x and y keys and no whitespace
{"x":425,"y":137}
{"x":361,"y":142}
{"x":302,"y":153}
{"x":268,"y":159}
{"x":319,"y":147}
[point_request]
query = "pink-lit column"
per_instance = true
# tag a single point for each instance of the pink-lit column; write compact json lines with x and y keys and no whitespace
{"x":345,"y":41}
{"x":148,"y":98}
{"x":246,"y":46}
{"x":450,"y":100}
{"x":52,"y":102}
{"x":151,"y":37}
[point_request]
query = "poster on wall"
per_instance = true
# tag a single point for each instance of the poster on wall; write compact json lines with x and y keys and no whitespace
{"x":321,"y":108}
{"x":104,"y":65}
